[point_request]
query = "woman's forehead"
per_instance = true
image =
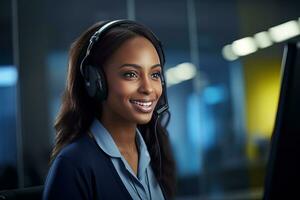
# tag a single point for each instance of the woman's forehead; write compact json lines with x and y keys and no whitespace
{"x":137,"y":50}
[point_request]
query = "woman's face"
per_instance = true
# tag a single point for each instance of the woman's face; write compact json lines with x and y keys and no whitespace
{"x":134,"y":83}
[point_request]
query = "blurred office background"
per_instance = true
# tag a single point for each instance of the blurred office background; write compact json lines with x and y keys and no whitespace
{"x":223,"y":61}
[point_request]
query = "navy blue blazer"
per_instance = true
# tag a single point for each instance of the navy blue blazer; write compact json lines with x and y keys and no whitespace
{"x":82,"y":171}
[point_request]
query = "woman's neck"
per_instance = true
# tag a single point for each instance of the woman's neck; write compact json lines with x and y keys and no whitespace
{"x":123,"y":134}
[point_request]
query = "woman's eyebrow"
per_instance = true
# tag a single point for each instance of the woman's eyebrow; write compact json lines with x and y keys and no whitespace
{"x":138,"y":66}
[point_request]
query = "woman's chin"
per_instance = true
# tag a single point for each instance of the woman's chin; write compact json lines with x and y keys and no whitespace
{"x":144,"y":119}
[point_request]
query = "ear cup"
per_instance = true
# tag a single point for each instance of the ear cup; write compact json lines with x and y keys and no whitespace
{"x":101,"y":93}
{"x":95,"y":83}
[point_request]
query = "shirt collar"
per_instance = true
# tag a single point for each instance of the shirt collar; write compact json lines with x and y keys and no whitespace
{"x":107,"y":144}
{"x":104,"y":139}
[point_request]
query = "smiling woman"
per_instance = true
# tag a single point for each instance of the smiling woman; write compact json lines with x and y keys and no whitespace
{"x":110,"y":143}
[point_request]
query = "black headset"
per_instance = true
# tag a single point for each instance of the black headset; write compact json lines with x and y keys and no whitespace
{"x":94,"y":78}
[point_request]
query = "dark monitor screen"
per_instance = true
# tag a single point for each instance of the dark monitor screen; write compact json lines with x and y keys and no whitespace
{"x":283,"y":170}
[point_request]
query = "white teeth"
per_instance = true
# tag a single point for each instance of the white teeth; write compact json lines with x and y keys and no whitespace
{"x":142,"y":103}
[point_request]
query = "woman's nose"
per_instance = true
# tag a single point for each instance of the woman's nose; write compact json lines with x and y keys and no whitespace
{"x":146,"y":86}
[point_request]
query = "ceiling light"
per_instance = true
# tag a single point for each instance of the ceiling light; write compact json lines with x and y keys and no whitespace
{"x":244,"y":46}
{"x":228,"y":53}
{"x":181,"y":72}
{"x":285,"y":31}
{"x":263,"y":39}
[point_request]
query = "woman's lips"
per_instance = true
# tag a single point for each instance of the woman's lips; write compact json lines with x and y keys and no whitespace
{"x":143,"y":105}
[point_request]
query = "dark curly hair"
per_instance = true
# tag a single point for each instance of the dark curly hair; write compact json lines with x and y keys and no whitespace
{"x":78,"y":109}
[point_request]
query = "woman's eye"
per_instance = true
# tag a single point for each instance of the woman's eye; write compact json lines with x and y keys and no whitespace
{"x":156,"y":75}
{"x":129,"y":75}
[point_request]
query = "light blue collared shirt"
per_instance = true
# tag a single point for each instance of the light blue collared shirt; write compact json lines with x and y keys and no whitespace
{"x":137,"y":186}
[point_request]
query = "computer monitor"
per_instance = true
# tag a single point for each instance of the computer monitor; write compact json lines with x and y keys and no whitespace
{"x":283,"y":170}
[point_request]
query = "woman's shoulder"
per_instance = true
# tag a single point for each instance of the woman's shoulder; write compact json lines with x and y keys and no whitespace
{"x":79,"y":150}
{"x":81,"y":156}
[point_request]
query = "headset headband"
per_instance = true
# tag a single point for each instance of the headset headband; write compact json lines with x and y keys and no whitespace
{"x":107,"y":26}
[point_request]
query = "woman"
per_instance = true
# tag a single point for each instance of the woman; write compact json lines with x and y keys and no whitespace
{"x":110,"y":143}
